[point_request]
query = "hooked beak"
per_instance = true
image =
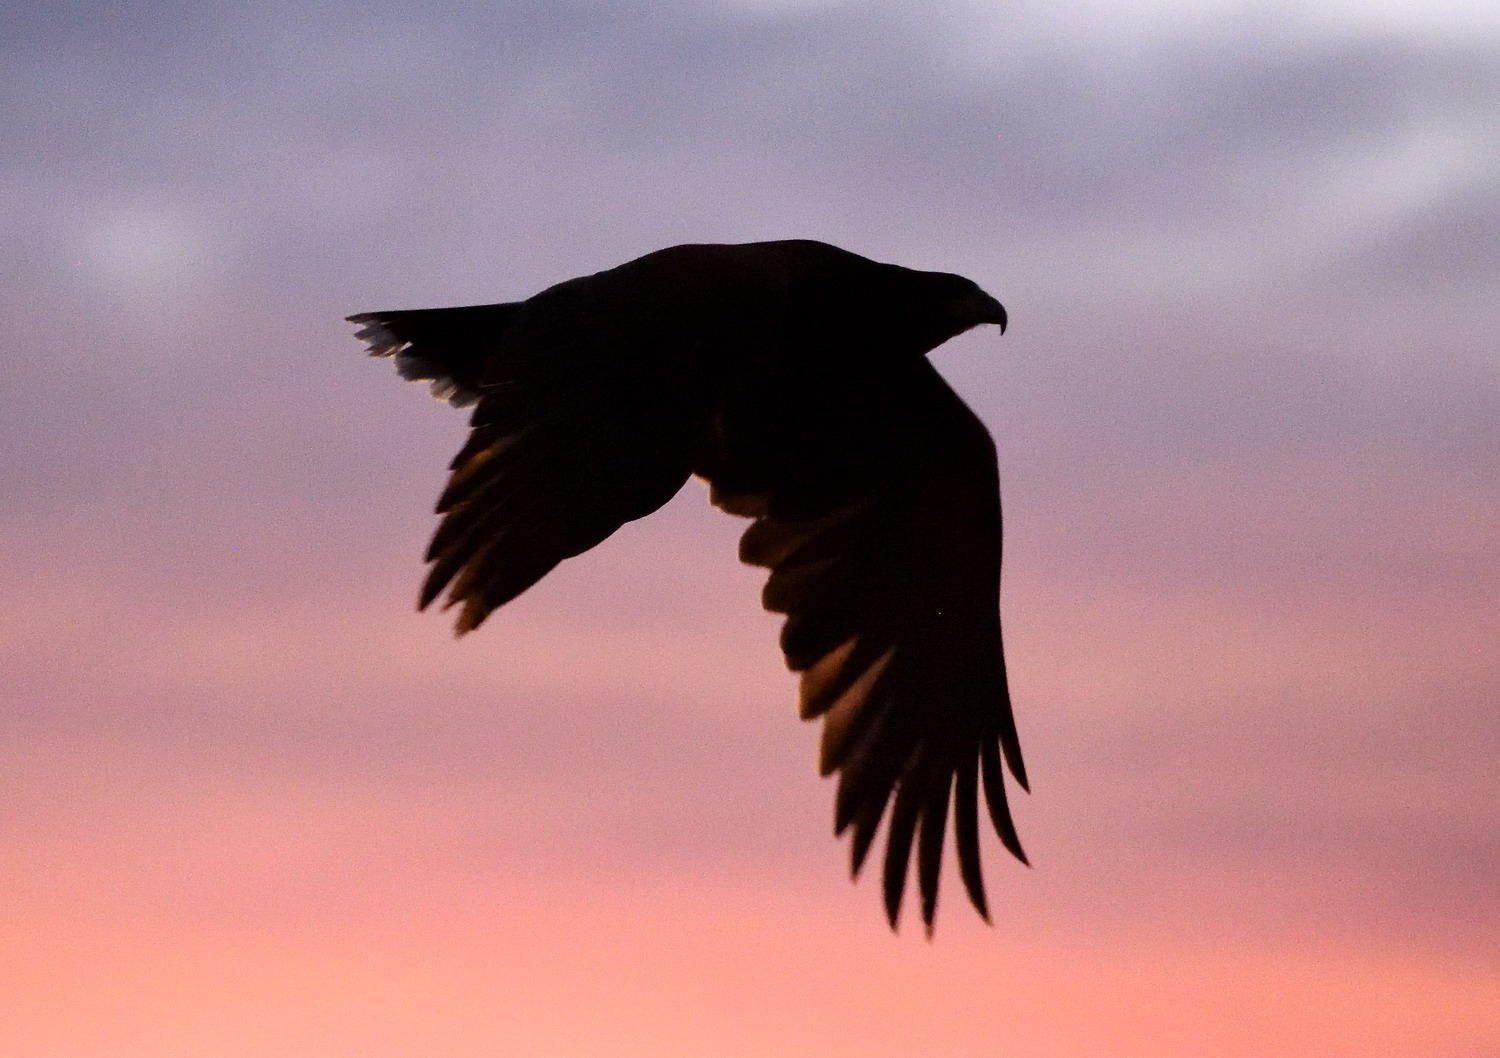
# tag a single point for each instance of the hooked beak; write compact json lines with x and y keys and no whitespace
{"x":994,"y":312}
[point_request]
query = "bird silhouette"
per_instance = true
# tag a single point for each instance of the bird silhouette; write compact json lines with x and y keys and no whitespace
{"x":792,"y":376}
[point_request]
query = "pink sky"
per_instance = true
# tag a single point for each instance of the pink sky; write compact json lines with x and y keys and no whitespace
{"x":254,"y":804}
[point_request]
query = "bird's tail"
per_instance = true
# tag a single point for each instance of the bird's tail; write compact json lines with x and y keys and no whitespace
{"x":449,"y":347}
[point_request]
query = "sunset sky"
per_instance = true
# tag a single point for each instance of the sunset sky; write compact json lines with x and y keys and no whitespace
{"x":253,"y":804}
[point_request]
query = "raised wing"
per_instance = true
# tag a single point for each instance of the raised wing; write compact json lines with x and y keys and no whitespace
{"x":585,"y":419}
{"x":879,"y":518}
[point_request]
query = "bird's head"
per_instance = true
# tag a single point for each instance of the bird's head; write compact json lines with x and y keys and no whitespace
{"x":975,"y":305}
{"x":936,"y":306}
{"x":962,"y":303}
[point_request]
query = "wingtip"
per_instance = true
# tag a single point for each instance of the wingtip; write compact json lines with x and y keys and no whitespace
{"x":1015,"y":763}
{"x":980,"y":902}
{"x":430,"y":594}
{"x":893,"y":884}
{"x":1012,"y":842}
{"x":859,"y":849}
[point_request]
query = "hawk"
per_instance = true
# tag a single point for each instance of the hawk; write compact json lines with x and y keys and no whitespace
{"x":792,"y":376}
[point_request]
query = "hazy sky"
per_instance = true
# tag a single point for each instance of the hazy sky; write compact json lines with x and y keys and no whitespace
{"x":1248,"y":414}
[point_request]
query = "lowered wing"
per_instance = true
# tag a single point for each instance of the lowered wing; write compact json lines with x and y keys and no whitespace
{"x":879,"y":518}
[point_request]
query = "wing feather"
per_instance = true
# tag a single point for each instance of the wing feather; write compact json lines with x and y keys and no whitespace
{"x":966,"y":831}
{"x":898,"y":842}
{"x":586,"y":416}
{"x":878,"y":517}
{"x":930,"y":841}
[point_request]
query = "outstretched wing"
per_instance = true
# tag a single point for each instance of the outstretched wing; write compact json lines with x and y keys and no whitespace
{"x":585,"y":419}
{"x":879,"y":518}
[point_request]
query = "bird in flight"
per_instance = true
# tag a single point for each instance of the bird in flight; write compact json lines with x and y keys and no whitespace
{"x":792,"y":376}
